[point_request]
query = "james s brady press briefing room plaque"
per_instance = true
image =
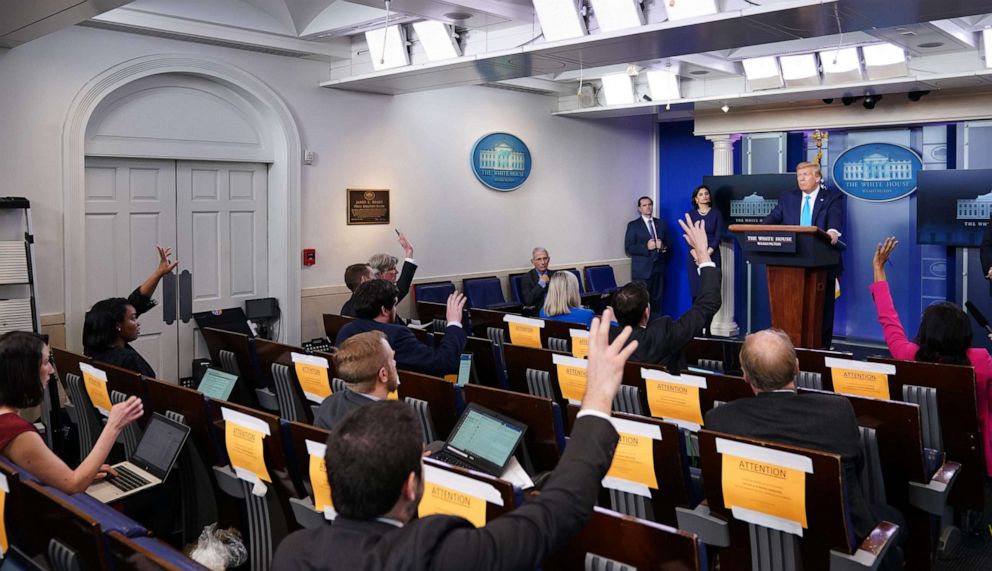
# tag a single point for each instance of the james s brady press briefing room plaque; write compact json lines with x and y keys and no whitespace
{"x":501,"y":161}
{"x":367,"y":206}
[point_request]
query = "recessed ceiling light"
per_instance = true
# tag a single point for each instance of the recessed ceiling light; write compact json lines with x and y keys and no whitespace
{"x":560,"y":19}
{"x":930,"y":45}
{"x":698,"y":72}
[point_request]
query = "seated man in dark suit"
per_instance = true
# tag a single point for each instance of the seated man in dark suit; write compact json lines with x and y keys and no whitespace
{"x":534,"y":284}
{"x":778,"y":413}
{"x":661,"y":341}
{"x":375,"y":307}
{"x":367,"y":365}
{"x":354,"y":276}
{"x":385,"y":264}
{"x":375,"y":471}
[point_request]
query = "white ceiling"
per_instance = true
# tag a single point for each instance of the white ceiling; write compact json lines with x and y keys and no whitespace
{"x":503,"y":45}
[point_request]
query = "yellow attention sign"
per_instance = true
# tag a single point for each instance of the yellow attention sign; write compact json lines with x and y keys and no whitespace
{"x":244,"y":447}
{"x":95,"y":382}
{"x":572,"y":381}
{"x":442,"y":500}
{"x":764,"y":487}
{"x":395,"y":395}
{"x":451,"y":378}
{"x":318,"y":480}
{"x":633,"y":460}
{"x":580,"y":343}
{"x":860,"y":383}
{"x":311,"y":372}
{"x":525,"y":334}
{"x":674,"y":400}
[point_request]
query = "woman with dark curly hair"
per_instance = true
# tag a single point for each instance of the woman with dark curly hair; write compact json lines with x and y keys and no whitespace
{"x":24,"y":373}
{"x":702,"y":210}
{"x":112,"y":324}
{"x":944,"y":337}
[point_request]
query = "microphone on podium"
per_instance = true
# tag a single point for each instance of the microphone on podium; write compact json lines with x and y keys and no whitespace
{"x":979,"y":318}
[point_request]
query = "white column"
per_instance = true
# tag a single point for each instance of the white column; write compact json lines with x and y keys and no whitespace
{"x":723,"y":322}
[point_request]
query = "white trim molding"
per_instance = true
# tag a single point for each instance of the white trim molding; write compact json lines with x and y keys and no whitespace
{"x":284,"y":178}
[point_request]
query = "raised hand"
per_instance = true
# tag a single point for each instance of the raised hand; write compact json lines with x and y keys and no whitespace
{"x":456,"y":303}
{"x":695,"y":235}
{"x":124,"y":413}
{"x":164,"y":265}
{"x":407,"y":248}
{"x":605,"y":370}
{"x":882,"y":253}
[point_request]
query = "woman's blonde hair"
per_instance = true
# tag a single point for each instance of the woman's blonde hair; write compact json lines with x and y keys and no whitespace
{"x":563,"y":294}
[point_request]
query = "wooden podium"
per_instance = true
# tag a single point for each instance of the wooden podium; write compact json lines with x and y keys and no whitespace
{"x":797,"y":260}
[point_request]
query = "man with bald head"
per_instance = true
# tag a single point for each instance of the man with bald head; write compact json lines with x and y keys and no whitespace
{"x":534,"y":284}
{"x":777,"y":413}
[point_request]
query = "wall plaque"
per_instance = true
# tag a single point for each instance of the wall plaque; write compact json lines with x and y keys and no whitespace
{"x":366,"y":206}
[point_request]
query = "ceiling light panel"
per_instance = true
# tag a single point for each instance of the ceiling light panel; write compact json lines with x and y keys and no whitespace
{"x":762,"y":73}
{"x":884,"y":61}
{"x":617,"y":14}
{"x":682,"y":9}
{"x":560,"y":19}
{"x":800,"y":70}
{"x":437,"y":40}
{"x":387,"y":46}
{"x":618,"y":89}
{"x":664,"y":85}
{"x":841,"y":65}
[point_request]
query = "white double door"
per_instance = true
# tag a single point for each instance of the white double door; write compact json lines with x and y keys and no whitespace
{"x":212,"y":215}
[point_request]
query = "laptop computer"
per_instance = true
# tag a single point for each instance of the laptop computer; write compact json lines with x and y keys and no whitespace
{"x":482,"y":440}
{"x":150,"y":463}
{"x":217,"y":384}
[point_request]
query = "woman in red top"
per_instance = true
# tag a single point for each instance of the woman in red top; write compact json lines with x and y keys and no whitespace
{"x":24,"y":373}
{"x":944,"y":337}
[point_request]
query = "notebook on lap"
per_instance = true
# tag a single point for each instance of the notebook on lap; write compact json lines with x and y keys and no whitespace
{"x":150,"y":463}
{"x":482,"y":440}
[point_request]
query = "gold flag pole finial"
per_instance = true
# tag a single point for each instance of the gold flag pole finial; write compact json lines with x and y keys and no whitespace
{"x":820,"y":137}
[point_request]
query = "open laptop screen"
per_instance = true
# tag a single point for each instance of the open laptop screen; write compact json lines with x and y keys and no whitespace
{"x":485,"y":436}
{"x":159,"y":445}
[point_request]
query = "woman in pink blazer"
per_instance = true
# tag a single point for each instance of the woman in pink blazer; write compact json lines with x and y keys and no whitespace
{"x":944,"y":337}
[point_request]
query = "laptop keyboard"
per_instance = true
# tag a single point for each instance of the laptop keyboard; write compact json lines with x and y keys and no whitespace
{"x":126,"y":480}
{"x":452,"y":459}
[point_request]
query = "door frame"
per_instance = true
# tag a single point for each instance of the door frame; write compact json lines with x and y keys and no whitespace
{"x":284,"y":179}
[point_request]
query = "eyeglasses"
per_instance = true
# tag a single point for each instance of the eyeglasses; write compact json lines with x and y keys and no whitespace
{"x":544,"y":259}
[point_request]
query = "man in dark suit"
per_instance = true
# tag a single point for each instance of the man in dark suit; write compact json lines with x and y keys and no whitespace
{"x":534,"y":284}
{"x":645,"y":243}
{"x":354,"y":276}
{"x":385,"y":264}
{"x":661,"y":341}
{"x":375,"y":306}
{"x":375,"y":472}
{"x":811,"y":205}
{"x":778,"y":413}
{"x":367,"y":365}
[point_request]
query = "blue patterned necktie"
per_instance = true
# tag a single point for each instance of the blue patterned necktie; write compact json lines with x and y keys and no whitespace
{"x":806,"y":218}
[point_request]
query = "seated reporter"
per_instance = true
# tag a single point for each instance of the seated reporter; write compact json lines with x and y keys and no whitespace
{"x":112,"y":324}
{"x":663,"y":340}
{"x":375,"y":469}
{"x":944,"y":336}
{"x":24,"y":372}
{"x":385,"y":266}
{"x":562,"y":302}
{"x":354,"y":276}
{"x":367,"y":365}
{"x":375,"y":306}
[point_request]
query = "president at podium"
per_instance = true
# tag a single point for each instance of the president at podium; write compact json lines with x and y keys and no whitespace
{"x":813,"y":205}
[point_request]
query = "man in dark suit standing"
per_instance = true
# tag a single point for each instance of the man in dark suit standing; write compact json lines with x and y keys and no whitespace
{"x":367,"y":365}
{"x":534,"y":284}
{"x":813,"y":205}
{"x":375,"y":306}
{"x":661,"y":341}
{"x":645,"y":243}
{"x":778,"y":413}
{"x":375,"y":473}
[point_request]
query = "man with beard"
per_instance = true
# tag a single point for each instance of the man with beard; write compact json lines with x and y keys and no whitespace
{"x":367,"y":365}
